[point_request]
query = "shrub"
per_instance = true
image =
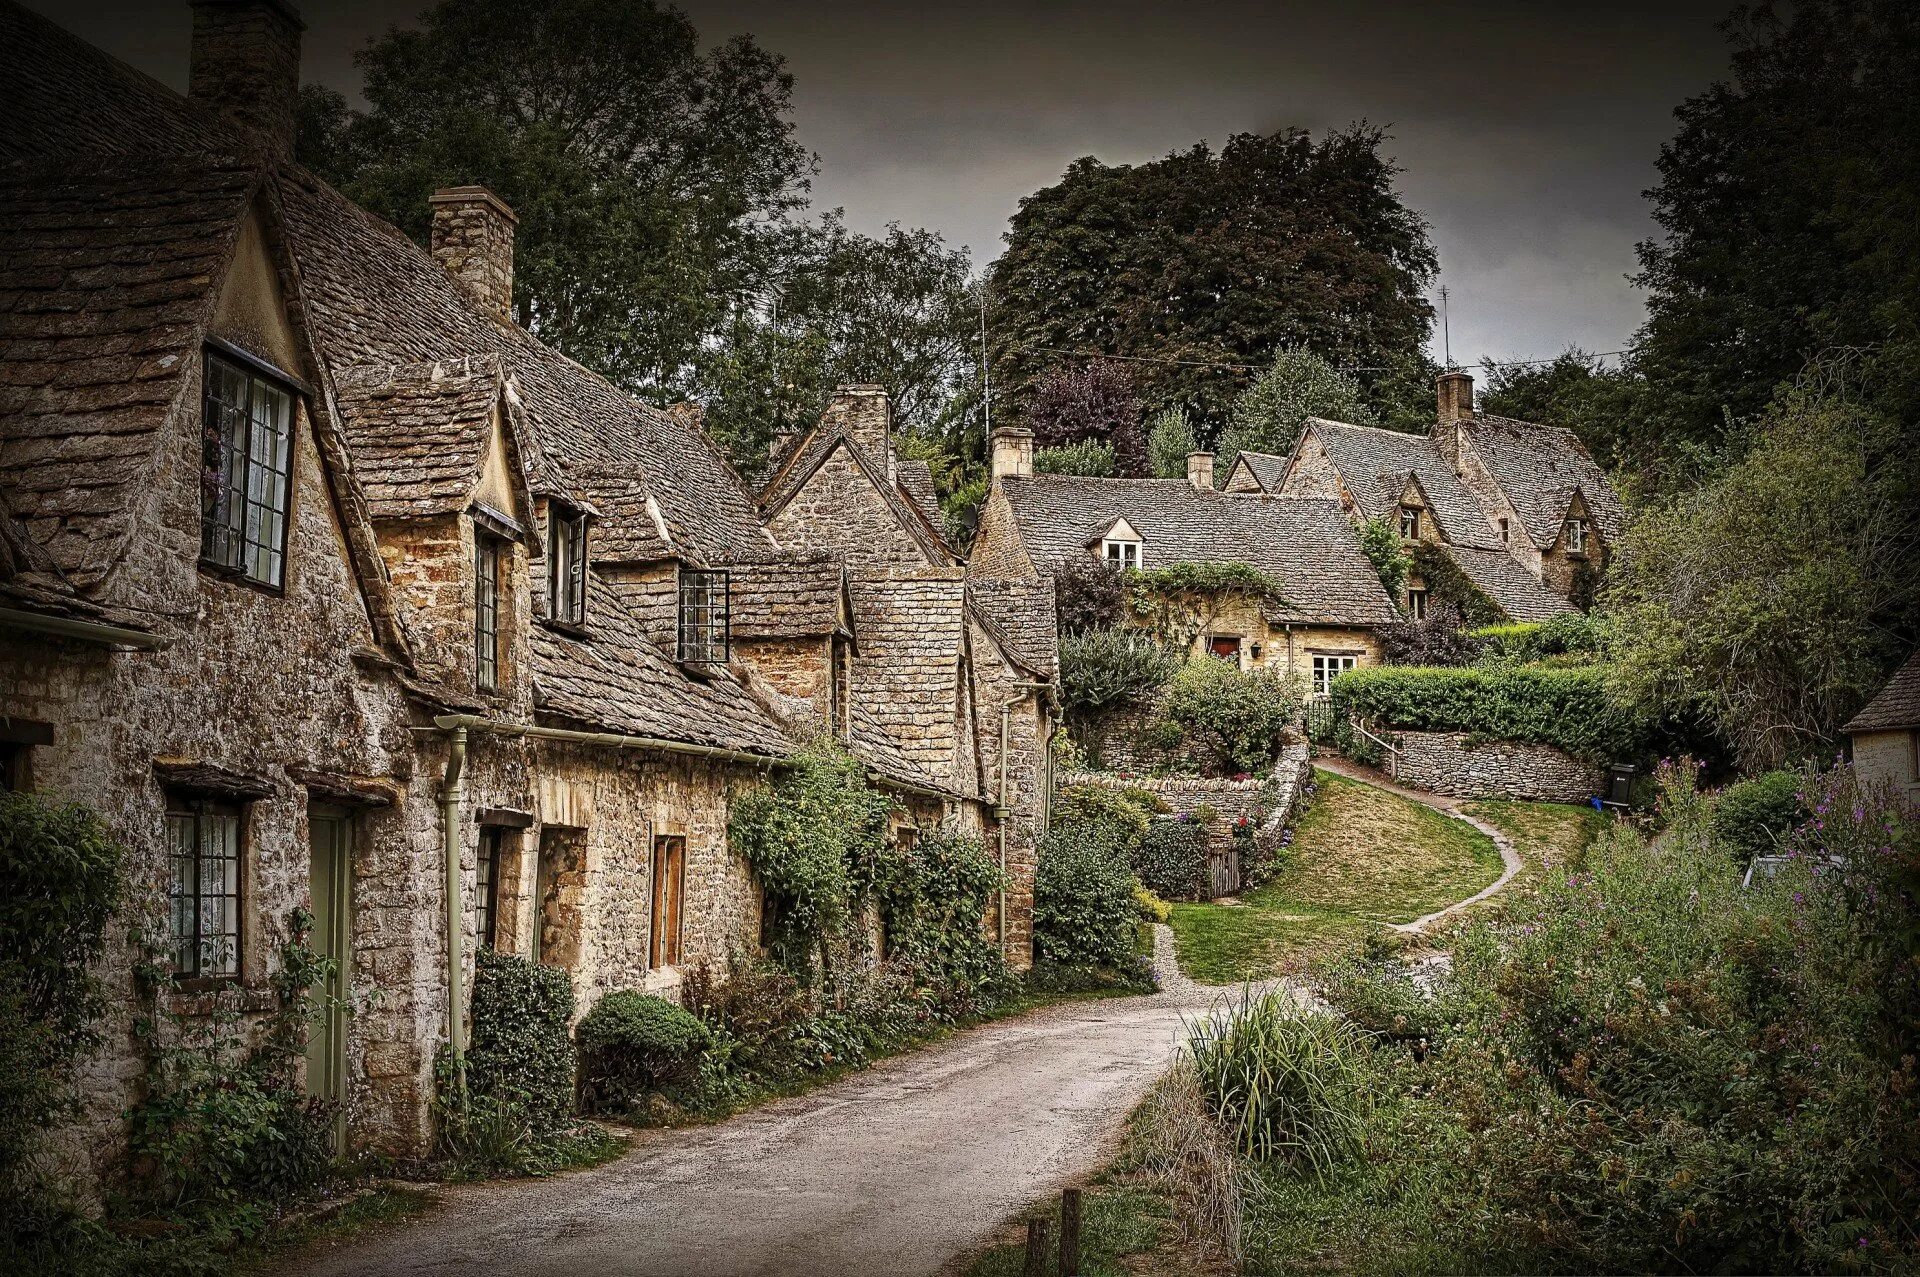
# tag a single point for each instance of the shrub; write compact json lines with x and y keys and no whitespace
{"x":1574,"y":633}
{"x":1568,"y":708}
{"x":754,"y":1008}
{"x":1171,"y":859}
{"x":521,"y":1054}
{"x":1753,"y":817}
{"x":1121,"y":815}
{"x":633,"y":1045}
{"x":1236,"y":715}
{"x":934,"y":895}
{"x":1103,"y":669}
{"x":1169,"y":440}
{"x":1380,"y":542}
{"x":1082,"y":900}
{"x":1149,"y":907}
{"x":1435,"y":639}
{"x":61,"y":877}
{"x":1088,"y":594}
{"x":1288,"y":1087}
{"x":1090,"y":458}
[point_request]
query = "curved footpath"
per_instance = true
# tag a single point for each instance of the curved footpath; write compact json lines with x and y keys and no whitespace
{"x":1509,"y":858}
{"x":895,"y":1170}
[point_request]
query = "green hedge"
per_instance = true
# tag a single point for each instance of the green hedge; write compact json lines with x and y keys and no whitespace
{"x":522,"y":1053}
{"x":1567,"y":708}
{"x":1082,"y":900}
{"x":1752,"y":817}
{"x":632,"y":1044}
{"x":1572,"y":634}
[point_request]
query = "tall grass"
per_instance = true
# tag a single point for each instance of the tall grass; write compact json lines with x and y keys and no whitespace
{"x":1287,"y":1087}
{"x":1176,"y":1143}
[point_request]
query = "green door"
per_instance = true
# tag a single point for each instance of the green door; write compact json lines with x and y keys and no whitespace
{"x":331,"y":833}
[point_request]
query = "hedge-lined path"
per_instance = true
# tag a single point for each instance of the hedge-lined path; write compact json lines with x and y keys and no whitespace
{"x":1509,"y":856}
{"x":898,"y":1169}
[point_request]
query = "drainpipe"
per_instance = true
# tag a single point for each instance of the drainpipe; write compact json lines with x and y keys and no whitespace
{"x":87,"y":631}
{"x":452,"y":792}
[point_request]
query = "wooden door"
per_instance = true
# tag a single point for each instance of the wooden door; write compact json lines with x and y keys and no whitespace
{"x":669,"y":885}
{"x":330,"y":881}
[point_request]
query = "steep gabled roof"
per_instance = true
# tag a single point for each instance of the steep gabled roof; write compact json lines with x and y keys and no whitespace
{"x":916,"y":482}
{"x":1265,"y":468}
{"x":1896,"y":707}
{"x":1305,"y":543}
{"x":788,"y":596}
{"x":1519,"y":592}
{"x":419,"y":432}
{"x":1019,"y":617}
{"x":912,"y":633}
{"x":816,"y":448}
{"x":1374,"y":464}
{"x":1539,"y":468}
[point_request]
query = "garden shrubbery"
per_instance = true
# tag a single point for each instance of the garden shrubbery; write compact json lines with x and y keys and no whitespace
{"x":1235,"y":715}
{"x":1082,"y":900}
{"x":1108,"y":668}
{"x":1753,"y":817}
{"x":632,"y":1044}
{"x":1170,"y":858}
{"x":1567,"y":708}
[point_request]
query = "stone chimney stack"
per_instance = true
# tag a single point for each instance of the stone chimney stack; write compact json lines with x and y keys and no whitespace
{"x":473,"y":241}
{"x":1200,"y":469}
{"x":1013,"y":452}
{"x":245,"y":62}
{"x":1456,"y":396}
{"x":866,"y":414}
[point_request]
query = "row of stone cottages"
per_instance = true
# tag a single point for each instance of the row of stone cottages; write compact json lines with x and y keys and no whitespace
{"x":329,"y":586}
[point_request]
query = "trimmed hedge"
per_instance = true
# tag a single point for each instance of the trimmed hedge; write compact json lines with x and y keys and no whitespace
{"x":522,"y":1053}
{"x":1572,"y":634}
{"x":1567,"y":708}
{"x":632,"y":1044}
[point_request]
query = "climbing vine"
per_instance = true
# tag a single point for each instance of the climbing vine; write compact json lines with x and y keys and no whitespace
{"x":1446,"y":583}
{"x":1181,"y":601}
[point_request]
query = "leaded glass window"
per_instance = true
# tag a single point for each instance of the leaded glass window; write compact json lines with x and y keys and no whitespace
{"x":567,"y":543}
{"x":204,"y":889}
{"x":703,"y":616}
{"x":247,"y":455}
{"x":486,"y":611}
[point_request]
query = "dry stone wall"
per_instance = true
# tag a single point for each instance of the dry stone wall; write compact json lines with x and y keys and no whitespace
{"x":1458,"y":765}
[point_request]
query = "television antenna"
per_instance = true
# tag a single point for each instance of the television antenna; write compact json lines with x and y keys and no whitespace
{"x":1446,"y":328}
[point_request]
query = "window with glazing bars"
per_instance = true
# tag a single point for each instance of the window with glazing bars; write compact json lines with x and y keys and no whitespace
{"x":1417,"y":602}
{"x":203,"y":840}
{"x":703,"y":616}
{"x":567,"y":537}
{"x":486,"y":611}
{"x":486,"y":893}
{"x":247,"y":466}
{"x":1576,"y":536}
{"x":1410,"y":522}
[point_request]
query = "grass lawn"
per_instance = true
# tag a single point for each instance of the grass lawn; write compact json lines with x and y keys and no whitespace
{"x":1542,"y":832}
{"x":1361,"y":857}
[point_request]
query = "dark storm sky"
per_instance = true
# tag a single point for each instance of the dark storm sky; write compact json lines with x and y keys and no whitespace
{"x":1527,"y":130}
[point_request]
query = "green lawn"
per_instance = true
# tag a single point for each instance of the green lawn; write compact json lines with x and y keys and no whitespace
{"x":1361,"y":857}
{"x":1542,"y":832}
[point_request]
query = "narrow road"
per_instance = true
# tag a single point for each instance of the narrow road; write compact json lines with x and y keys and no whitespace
{"x":892,"y":1171}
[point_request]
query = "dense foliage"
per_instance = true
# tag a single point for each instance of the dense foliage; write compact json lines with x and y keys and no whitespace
{"x":1447,"y":584}
{"x":1180,"y":602}
{"x":1089,"y":594}
{"x":1754,"y":817}
{"x":1288,"y":1088}
{"x":520,"y":1067}
{"x":1170,"y":441}
{"x":1090,"y":458}
{"x":1268,"y":415}
{"x":632,"y":1044}
{"x":1106,"y":669}
{"x":1216,"y":257}
{"x":1568,"y":708}
{"x":61,"y":877}
{"x":1170,"y":859}
{"x":1380,"y":542}
{"x":1773,"y":600}
{"x":1093,"y":402}
{"x":1234,"y":715}
{"x":1082,"y":900}
{"x":1573,"y":634}
{"x":934,"y":896}
{"x":1438,"y":638}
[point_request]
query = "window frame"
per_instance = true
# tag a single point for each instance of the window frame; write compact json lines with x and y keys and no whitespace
{"x":566,"y":556}
{"x":489,"y":657}
{"x":1409,"y":523}
{"x":227,"y":546}
{"x":1328,"y":666}
{"x":1417,"y":602}
{"x":694,"y":635}
{"x":840,"y":693}
{"x":194,"y":809}
{"x":1118,"y":552}
{"x":1506,"y":531}
{"x":1576,"y":535}
{"x":664,"y":951}
{"x":486,"y":887}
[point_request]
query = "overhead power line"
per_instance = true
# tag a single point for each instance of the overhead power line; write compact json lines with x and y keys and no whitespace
{"x":1209,"y":363}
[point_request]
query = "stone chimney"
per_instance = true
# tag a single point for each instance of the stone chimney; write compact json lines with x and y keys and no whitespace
{"x":1013,"y":452}
{"x":245,"y":62}
{"x":1456,"y":396}
{"x":473,"y":240}
{"x":866,"y":414}
{"x":1200,"y":469}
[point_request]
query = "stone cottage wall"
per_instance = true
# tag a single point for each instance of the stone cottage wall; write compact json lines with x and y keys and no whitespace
{"x":840,"y":511}
{"x":1453,"y":763}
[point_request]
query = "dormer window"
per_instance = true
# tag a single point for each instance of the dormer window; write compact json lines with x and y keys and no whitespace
{"x":1505,"y":533}
{"x":1576,"y":536}
{"x":567,"y":550}
{"x":247,"y":469}
{"x":704,"y":618}
{"x":1410,"y":522}
{"x":487,"y":558}
{"x":1121,"y":554}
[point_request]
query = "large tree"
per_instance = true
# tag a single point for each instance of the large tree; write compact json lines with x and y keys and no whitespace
{"x":1576,"y":390}
{"x":1268,"y":415}
{"x":1787,"y":203}
{"x":1215,"y":257}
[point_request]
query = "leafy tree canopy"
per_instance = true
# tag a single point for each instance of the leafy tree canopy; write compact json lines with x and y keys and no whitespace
{"x":1268,"y":415}
{"x":1169,"y":440}
{"x":1276,"y":240}
{"x":1090,"y":401}
{"x":1576,"y":390}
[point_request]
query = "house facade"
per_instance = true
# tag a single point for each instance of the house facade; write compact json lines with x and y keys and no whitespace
{"x":1884,"y":737}
{"x":337,"y":594}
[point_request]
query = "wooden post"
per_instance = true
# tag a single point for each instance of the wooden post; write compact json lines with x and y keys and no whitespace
{"x":1069,"y":1232}
{"x":1037,"y":1230}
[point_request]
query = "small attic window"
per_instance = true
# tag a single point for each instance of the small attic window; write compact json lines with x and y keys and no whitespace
{"x":704,"y":628}
{"x":1121,"y":553}
{"x":246,"y":470}
{"x":1410,"y":522}
{"x":567,"y":577}
{"x":1576,"y":536}
{"x":1505,"y":532}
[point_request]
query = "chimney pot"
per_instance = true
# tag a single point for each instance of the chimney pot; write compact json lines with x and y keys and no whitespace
{"x":1200,"y":469}
{"x":245,"y":62}
{"x":1013,"y":452}
{"x":473,"y":242}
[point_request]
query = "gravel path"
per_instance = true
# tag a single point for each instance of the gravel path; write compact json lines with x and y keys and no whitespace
{"x":894,"y":1170}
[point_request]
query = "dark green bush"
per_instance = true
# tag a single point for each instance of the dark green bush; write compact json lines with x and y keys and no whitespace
{"x":1089,"y":594}
{"x":60,"y":881}
{"x":1082,"y":900}
{"x":1522,"y":642}
{"x":1171,"y":859}
{"x":1568,"y":708}
{"x":1235,"y":715}
{"x":1753,"y":817}
{"x":634,"y":1044}
{"x":521,"y":1052}
{"x":1106,"y":669}
{"x":1090,"y":458}
{"x":934,"y":895}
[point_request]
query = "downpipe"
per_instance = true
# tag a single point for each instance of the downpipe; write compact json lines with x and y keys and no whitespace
{"x":452,"y":794}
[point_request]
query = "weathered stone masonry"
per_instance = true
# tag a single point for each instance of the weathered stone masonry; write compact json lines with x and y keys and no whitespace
{"x":1461,"y":766}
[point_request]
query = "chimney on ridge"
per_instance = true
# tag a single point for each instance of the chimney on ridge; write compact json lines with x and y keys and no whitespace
{"x":245,"y":62}
{"x":1200,"y":469}
{"x":1013,"y":452}
{"x":1456,"y":396}
{"x":473,"y":241}
{"x":866,"y":414}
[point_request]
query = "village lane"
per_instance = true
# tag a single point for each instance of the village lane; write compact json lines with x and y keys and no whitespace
{"x":894,"y":1170}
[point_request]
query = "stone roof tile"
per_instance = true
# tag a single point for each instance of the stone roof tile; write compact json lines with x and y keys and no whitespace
{"x":1539,"y":468}
{"x":1520,"y":594}
{"x":419,"y":432}
{"x":1374,"y":465}
{"x":1897,"y":705}
{"x":786,"y":596}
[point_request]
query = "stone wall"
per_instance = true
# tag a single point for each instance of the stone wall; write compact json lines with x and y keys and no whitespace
{"x":1453,"y":763}
{"x":1887,"y":758}
{"x":839,"y":511}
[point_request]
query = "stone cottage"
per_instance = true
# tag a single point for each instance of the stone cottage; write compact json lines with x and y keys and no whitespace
{"x":333,"y":589}
{"x":1884,"y":737}
{"x":1521,"y":509}
{"x":1331,"y":600}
